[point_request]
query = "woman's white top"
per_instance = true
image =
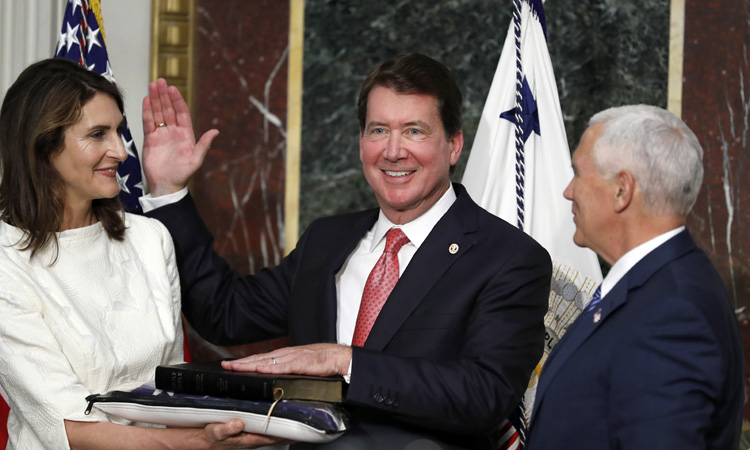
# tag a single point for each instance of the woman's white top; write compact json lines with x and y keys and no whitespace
{"x":102,"y":317}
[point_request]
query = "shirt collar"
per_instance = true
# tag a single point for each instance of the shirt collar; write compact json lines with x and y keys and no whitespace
{"x":418,"y":229}
{"x":631,"y":258}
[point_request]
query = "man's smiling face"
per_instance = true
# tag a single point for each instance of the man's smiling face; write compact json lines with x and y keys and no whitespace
{"x":406,"y":157}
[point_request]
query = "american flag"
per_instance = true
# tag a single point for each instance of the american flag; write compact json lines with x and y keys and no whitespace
{"x":82,"y":40}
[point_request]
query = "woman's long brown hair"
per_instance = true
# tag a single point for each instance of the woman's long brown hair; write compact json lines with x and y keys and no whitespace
{"x":46,"y":99}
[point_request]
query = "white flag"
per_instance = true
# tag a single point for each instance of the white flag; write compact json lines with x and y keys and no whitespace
{"x":531,"y":188}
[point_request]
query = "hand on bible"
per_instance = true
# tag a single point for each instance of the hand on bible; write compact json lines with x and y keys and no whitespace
{"x":313,"y":359}
{"x":170,"y":154}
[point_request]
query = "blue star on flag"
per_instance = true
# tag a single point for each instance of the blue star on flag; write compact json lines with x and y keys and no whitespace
{"x":529,"y":114}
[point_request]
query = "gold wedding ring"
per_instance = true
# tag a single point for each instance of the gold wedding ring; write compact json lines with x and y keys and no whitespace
{"x":159,"y":125}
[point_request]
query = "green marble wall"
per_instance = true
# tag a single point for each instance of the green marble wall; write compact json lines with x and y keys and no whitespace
{"x":605,"y":53}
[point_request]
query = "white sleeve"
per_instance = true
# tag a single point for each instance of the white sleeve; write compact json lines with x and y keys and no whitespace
{"x":149,"y":203}
{"x":37,"y":379}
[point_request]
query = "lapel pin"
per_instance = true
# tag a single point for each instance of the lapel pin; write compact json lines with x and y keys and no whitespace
{"x":453,"y":249}
{"x":598,"y":315}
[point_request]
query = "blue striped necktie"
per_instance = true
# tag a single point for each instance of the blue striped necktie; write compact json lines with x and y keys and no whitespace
{"x":595,"y":299}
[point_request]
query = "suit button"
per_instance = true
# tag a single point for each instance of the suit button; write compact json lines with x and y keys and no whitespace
{"x":378,"y":397}
{"x":388,"y":401}
{"x":395,"y":404}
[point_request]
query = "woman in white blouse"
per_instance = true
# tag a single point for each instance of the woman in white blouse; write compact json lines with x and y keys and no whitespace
{"x":89,"y":295}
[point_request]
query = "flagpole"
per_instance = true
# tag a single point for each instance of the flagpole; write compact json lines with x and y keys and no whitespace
{"x":520,"y":156}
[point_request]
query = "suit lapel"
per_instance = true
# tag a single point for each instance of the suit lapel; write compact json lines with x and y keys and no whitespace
{"x":426,"y":268}
{"x":578,"y":333}
{"x":585,"y":326}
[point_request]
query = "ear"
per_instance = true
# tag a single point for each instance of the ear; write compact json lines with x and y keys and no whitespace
{"x":457,"y":143}
{"x":626,"y":186}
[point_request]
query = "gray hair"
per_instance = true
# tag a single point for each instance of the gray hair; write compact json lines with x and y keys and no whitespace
{"x":658,"y":149}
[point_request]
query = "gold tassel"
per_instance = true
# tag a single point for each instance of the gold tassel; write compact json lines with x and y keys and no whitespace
{"x":97,"y":8}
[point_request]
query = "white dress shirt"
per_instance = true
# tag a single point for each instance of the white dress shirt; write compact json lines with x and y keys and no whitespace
{"x":351,"y":279}
{"x":631,"y":258}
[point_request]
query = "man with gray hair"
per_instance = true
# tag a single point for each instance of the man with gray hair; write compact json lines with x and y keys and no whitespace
{"x":655,"y":360}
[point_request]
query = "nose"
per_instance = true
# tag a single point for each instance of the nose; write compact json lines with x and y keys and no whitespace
{"x":568,"y":192}
{"x":117,"y":148}
{"x":394,"y":149}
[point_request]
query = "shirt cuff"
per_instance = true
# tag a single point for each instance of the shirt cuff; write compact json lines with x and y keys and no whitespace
{"x":149,"y":203}
{"x":348,"y":376}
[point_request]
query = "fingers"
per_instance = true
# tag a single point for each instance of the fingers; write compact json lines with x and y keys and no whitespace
{"x":180,"y":107}
{"x":161,"y":107}
{"x":247,"y":364}
{"x":165,"y":105}
{"x":315,"y":359}
{"x":275,"y":357}
{"x":231,"y":433}
{"x":204,"y":144}
{"x":155,"y":103}
{"x":222,"y":431}
{"x":273,"y":362}
{"x":147,"y":115}
{"x":167,"y":108}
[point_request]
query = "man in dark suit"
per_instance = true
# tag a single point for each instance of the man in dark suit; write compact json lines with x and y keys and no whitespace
{"x":452,"y":348}
{"x":655,"y":361}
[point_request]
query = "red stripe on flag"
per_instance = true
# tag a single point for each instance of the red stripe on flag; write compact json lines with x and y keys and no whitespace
{"x":509,"y":438}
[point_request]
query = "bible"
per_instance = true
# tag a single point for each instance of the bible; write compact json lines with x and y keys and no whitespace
{"x":209,"y":378}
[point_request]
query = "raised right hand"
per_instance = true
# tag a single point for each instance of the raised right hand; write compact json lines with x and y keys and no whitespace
{"x":170,"y":154}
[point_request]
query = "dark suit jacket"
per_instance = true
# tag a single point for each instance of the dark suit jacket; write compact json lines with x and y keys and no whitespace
{"x":451,"y":352}
{"x":661,"y":369}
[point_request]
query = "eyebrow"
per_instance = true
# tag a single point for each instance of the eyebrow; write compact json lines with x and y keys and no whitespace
{"x":106,"y":126}
{"x":375,"y":124}
{"x":418,"y":123}
{"x":99,"y":127}
{"x":411,"y":123}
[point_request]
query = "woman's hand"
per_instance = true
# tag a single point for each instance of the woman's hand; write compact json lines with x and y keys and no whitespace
{"x":230,"y":436}
{"x":214,"y":436}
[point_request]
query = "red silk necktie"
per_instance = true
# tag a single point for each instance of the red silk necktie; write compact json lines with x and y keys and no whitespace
{"x":379,"y":285}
